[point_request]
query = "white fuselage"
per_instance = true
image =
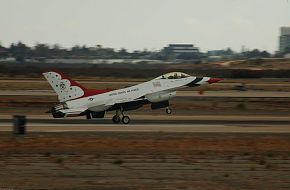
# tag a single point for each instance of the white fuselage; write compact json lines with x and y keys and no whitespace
{"x":102,"y":102}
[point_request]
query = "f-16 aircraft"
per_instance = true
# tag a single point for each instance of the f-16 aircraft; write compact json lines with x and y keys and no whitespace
{"x":76,"y":100}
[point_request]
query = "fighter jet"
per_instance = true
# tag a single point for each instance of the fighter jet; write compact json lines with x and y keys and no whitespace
{"x":76,"y":100}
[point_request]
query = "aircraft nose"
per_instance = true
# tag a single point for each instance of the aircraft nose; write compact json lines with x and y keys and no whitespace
{"x":214,"y":80}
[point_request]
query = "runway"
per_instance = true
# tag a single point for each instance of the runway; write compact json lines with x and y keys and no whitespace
{"x":158,"y":122}
{"x":180,"y":125}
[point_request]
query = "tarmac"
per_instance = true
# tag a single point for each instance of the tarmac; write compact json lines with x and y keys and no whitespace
{"x":160,"y":123}
{"x":147,"y":123}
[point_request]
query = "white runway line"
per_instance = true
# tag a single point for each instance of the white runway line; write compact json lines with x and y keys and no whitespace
{"x":35,"y":127}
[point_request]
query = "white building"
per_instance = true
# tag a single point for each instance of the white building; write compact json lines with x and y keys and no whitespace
{"x":178,"y":49}
{"x":284,"y":39}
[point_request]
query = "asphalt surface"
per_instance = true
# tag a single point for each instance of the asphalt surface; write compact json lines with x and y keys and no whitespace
{"x":149,"y":125}
{"x":157,"y":122}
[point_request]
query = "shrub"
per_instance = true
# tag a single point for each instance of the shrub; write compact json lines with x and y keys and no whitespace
{"x":118,"y":162}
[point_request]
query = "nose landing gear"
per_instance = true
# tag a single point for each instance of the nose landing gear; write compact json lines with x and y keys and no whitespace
{"x":121,"y":117}
{"x":168,"y":111}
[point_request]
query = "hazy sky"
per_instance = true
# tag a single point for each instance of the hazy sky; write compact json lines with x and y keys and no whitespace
{"x":139,"y":24}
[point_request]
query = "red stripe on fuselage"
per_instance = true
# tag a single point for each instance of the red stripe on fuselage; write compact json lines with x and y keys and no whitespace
{"x":94,"y":92}
{"x":87,"y":92}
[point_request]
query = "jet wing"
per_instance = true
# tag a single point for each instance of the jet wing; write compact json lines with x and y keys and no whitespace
{"x":124,"y":100}
{"x":127,"y":104}
{"x":127,"y":100}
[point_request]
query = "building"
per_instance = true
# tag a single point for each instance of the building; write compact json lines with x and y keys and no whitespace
{"x":284,"y":46}
{"x":181,"y":50}
{"x":217,"y":55}
{"x":226,"y":52}
{"x":3,"y":52}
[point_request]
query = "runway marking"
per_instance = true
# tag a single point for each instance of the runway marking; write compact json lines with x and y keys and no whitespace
{"x":171,"y":128}
{"x":169,"y":121}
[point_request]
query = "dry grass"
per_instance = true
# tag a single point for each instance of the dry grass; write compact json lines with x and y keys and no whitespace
{"x":135,"y":161}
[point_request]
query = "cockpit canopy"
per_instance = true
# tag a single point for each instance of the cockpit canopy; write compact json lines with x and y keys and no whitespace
{"x":173,"y":75}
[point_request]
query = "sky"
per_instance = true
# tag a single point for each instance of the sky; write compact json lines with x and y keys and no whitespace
{"x":145,"y":24}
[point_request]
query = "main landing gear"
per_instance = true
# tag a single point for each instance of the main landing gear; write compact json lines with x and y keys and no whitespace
{"x":120,"y":117}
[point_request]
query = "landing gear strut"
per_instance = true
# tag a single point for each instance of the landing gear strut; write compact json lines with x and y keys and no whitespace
{"x":121,"y":117}
{"x":88,"y":115}
{"x":168,"y":111}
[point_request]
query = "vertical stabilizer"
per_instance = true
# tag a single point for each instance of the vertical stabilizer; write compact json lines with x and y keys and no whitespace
{"x":65,"y":88}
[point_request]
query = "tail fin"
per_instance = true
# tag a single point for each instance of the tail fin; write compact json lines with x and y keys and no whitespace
{"x":66,"y":88}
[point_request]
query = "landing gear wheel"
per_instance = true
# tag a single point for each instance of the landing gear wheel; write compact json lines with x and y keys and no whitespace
{"x":88,"y":115}
{"x":168,"y":111}
{"x":126,"y":120}
{"x":116,"y":119}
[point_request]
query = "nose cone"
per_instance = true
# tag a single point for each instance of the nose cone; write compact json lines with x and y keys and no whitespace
{"x":213,"y":80}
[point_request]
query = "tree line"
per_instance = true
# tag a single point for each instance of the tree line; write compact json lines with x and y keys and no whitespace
{"x":21,"y":51}
{"x":41,"y":51}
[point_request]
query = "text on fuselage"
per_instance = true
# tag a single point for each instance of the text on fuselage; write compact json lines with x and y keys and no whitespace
{"x":124,"y":92}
